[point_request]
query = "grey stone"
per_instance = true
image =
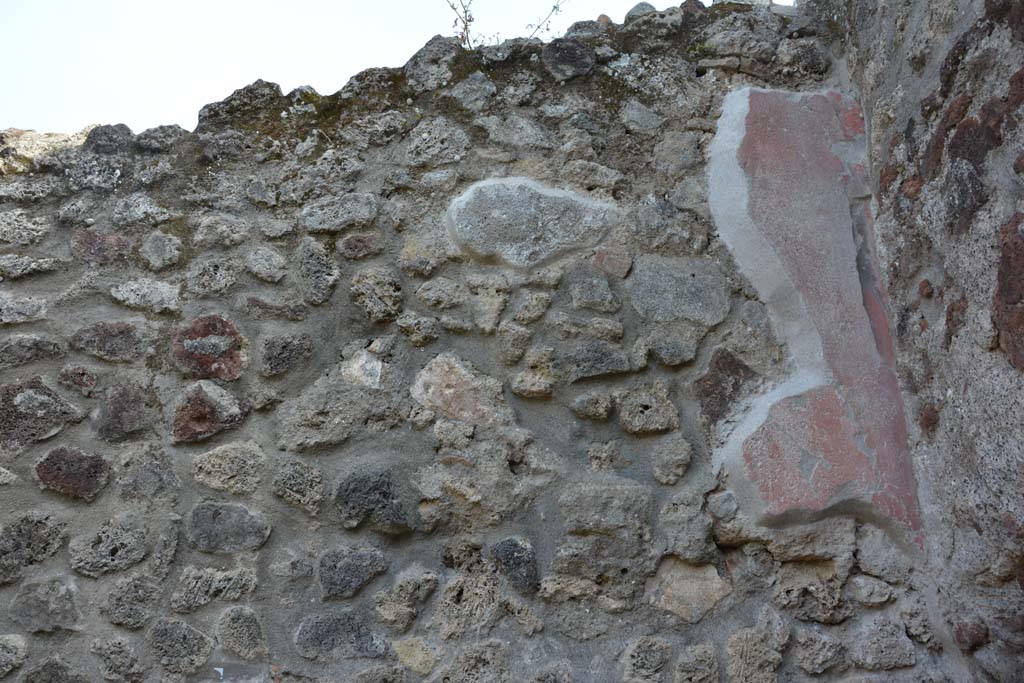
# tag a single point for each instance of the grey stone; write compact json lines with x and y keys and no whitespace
{"x":284,"y":352}
{"x":665,"y":289}
{"x":147,"y":477}
{"x":178,"y":647}
{"x":399,"y":606}
{"x":882,"y":644}
{"x":117,"y":342}
{"x":120,"y":663}
{"x":15,"y":310}
{"x":159,"y":139}
{"x":219,"y":230}
{"x":201,"y":586}
{"x":638,"y":10}
{"x":335,"y":406}
{"x":378,"y":497}
{"x":124,"y":412}
{"x":241,"y":633}
{"x":336,"y":214}
{"x":344,"y":571}
{"x":226,"y":528}
{"x":435,"y":142}
{"x":516,"y":130}
{"x":637,"y":117}
{"x":817,"y":652}
{"x":647,"y":410}
{"x":378,"y":291}
{"x":27,"y":541}
{"x":523,"y":223}
{"x":671,"y":459}
{"x":677,"y":153}
{"x":473,"y":92}
{"x":234,"y":467}
{"x":16,"y":228}
{"x":132,"y":601}
{"x":592,"y":406}
{"x":47,"y":605}
{"x":30,"y":411}
{"x":53,"y":670}
{"x":22,"y":349}
{"x":696,"y":664}
{"x":13,"y":653}
{"x":118,"y":544}
{"x":149,"y":295}
{"x":339,"y":634}
{"x":211,"y":275}
{"x":160,"y":250}
{"x":686,"y":530}
{"x":112,"y":139}
{"x":266,"y":263}
{"x":300,"y":485}
{"x":645,"y":659}
{"x":485,"y":662}
{"x":593,"y":293}
{"x":565,"y":58}
{"x":594,"y":358}
{"x":869,"y":591}
{"x":317,"y":271}
{"x":517,"y":560}
{"x":382,"y":674}
{"x":13,"y":266}
{"x":430,"y":67}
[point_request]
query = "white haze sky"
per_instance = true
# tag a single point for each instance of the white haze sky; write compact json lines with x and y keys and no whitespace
{"x":71,"y":63}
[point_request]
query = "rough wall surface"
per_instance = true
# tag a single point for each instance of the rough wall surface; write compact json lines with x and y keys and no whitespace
{"x":637,"y":356}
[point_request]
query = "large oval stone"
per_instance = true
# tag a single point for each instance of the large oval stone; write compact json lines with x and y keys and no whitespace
{"x":523,"y":223}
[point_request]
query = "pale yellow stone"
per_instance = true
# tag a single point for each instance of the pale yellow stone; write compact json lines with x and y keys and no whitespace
{"x":688,"y":590}
{"x":415,"y":655}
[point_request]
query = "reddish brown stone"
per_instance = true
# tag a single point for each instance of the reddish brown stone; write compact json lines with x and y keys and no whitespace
{"x":956,"y":318}
{"x":724,"y":382}
{"x":911,"y":187}
{"x":1018,"y":164}
{"x":925,"y":289}
{"x":74,"y":473}
{"x":79,"y":378}
{"x":210,"y":347}
{"x":970,"y":635}
{"x":99,"y":248}
{"x":1015,"y":94}
{"x":1008,"y":300}
{"x":205,"y":409}
{"x":119,"y":342}
{"x":928,"y":418}
{"x":887,"y":177}
{"x":973,"y":140}
{"x":614,"y":262}
{"x":955,"y":112}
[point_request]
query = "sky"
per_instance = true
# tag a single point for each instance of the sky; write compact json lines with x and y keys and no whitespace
{"x":72,"y":63}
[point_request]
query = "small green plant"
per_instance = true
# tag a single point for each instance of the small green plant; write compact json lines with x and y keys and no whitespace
{"x":464,"y":19}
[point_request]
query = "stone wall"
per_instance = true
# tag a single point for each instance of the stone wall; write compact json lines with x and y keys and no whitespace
{"x":637,"y":356}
